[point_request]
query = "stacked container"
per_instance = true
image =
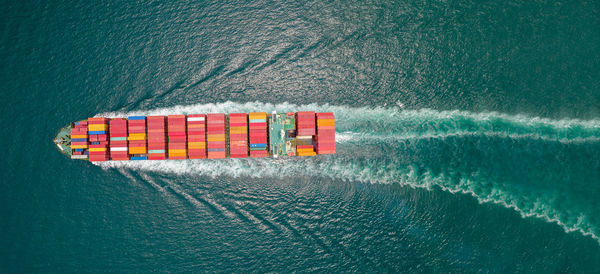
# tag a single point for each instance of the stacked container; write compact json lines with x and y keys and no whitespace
{"x":79,"y":139}
{"x":196,"y":130}
{"x":215,"y":135}
{"x":305,"y":124}
{"x":177,"y":137}
{"x":325,"y":133}
{"x":118,"y":139}
{"x":157,"y":138}
{"x":258,"y":134}
{"x":238,"y":135}
{"x":98,"y":147}
{"x":137,"y":137}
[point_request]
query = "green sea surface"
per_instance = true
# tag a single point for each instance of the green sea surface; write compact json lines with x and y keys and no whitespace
{"x":468,"y":136}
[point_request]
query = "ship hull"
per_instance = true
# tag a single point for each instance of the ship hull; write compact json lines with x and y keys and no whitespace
{"x":199,"y":136}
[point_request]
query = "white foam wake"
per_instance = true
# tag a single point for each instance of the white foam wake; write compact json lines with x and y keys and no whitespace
{"x":380,"y":125}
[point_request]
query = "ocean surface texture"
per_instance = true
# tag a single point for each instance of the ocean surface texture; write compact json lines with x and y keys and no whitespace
{"x":468,"y":136}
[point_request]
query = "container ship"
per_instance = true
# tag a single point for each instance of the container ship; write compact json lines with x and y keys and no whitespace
{"x":199,"y":136}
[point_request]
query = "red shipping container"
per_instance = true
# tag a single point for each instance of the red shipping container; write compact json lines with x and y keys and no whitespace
{"x":325,"y":145}
{"x":98,"y":146}
{"x":258,"y":125}
{"x":325,"y":115}
{"x":220,"y":127}
{"x":220,"y":143}
{"x":258,"y":140}
{"x":258,"y":153}
{"x":177,"y":145}
{"x":155,"y":118}
{"x":156,"y":156}
{"x":216,"y":155}
{"x":93,"y":159}
{"x":174,"y":139}
{"x":305,"y":132}
{"x":155,"y":147}
{"x":196,"y":139}
{"x":176,"y":135}
{"x":118,"y":143}
{"x":177,"y":158}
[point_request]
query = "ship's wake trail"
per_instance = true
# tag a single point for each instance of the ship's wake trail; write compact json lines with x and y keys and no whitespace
{"x":544,"y":168}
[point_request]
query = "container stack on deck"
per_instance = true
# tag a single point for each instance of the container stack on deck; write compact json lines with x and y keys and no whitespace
{"x":118,"y":139}
{"x":325,"y":133}
{"x":137,"y":137}
{"x":238,"y":135}
{"x":177,"y":137}
{"x":98,"y":147}
{"x":157,"y":138}
{"x":215,"y":135}
{"x":79,"y":140}
{"x":258,"y":134}
{"x":196,"y":130}
{"x":198,"y":136}
{"x":305,"y":130}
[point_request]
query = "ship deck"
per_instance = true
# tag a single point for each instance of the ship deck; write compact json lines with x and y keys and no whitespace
{"x":63,"y":140}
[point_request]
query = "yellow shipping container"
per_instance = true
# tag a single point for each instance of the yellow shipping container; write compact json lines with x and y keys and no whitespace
{"x":326,"y":122}
{"x":78,"y":136}
{"x":136,"y":138}
{"x":216,"y":139}
{"x":237,"y":130}
{"x":197,"y":145}
{"x":97,"y":127}
{"x":137,"y":134}
{"x":177,"y":151}
{"x":304,"y":150}
{"x":307,"y":154}
{"x":137,"y":150}
{"x":78,"y":146}
{"x":98,"y":149}
{"x":257,"y":115}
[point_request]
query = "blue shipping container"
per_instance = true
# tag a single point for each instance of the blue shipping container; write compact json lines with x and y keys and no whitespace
{"x":258,"y":145}
{"x":97,"y":132}
{"x":136,"y":118}
{"x":139,"y":158}
{"x":79,"y":140}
